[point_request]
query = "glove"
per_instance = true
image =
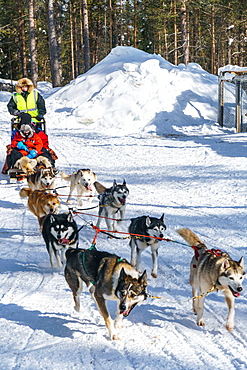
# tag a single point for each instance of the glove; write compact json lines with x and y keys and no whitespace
{"x":39,"y":117}
{"x":32,"y":154}
{"x":22,"y":146}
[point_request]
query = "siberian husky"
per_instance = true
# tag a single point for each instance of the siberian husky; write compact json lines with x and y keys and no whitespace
{"x":112,"y":202}
{"x":108,"y":278}
{"x":154,"y":229}
{"x":43,"y":179}
{"x":212,"y":269}
{"x":59,"y":232}
{"x":83,"y":180}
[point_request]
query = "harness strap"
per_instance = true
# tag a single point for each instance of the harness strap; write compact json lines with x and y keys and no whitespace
{"x":119,"y":259}
{"x":193,"y":298}
{"x":196,"y":252}
{"x":84,"y":265}
{"x":216,"y":252}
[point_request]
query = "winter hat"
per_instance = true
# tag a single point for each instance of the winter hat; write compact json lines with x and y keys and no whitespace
{"x":26,"y":130}
{"x":24,"y":82}
{"x":25,"y":118}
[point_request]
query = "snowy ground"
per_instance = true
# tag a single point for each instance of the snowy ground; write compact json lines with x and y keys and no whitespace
{"x":195,"y":174}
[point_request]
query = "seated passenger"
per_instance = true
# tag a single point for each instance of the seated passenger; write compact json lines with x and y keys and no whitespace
{"x":27,"y":143}
{"x":26,"y":118}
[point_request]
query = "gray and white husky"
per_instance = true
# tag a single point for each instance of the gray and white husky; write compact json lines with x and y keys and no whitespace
{"x":43,"y":179}
{"x":112,"y":203}
{"x":152,"y":227}
{"x":212,"y":269}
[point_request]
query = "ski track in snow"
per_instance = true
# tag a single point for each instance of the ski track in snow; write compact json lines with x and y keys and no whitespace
{"x":173,"y":176}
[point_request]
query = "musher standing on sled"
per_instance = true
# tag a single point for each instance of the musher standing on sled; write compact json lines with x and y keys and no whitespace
{"x":26,"y":99}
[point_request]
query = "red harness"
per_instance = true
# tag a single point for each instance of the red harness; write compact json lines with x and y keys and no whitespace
{"x":216,"y":252}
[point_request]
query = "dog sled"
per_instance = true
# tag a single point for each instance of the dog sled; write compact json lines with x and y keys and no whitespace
{"x":24,"y":167}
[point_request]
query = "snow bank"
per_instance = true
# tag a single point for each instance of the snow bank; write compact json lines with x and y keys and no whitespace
{"x":131,"y":91}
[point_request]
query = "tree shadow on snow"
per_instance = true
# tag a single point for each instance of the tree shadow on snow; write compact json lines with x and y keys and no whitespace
{"x":36,"y":320}
{"x":11,"y":205}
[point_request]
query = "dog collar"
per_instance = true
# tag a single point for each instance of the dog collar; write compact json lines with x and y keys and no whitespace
{"x":217,"y":282}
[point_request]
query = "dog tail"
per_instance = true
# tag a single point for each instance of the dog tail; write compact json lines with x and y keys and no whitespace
{"x":191,"y":238}
{"x":25,"y":192}
{"x":64,"y":176}
{"x":99,"y":187}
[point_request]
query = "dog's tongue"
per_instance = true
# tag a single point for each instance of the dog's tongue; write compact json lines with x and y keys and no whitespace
{"x":63,"y":241}
{"x":122,"y":200}
{"x":126,"y":313}
{"x":236,"y":294}
{"x":89,"y":187}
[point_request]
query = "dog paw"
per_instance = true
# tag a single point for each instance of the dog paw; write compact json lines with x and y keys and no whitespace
{"x":115,"y":337}
{"x":200,"y":323}
{"x":154,"y":275}
{"x":77,"y":308}
{"x":229,"y":327}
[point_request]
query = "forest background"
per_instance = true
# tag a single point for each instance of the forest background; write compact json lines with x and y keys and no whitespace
{"x":57,"y":40}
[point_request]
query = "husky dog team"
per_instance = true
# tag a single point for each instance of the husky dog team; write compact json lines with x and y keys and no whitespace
{"x":107,"y":276}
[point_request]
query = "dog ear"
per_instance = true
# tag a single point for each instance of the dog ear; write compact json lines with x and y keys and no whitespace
{"x":69,"y":217}
{"x":52,"y":218}
{"x":148,"y":221}
{"x":143,"y":279}
{"x":124,"y":182}
{"x":114,"y":182}
{"x":162,"y":220}
{"x":226,"y":264}
{"x":122,"y":275}
{"x":241,"y":262}
{"x":54,"y":171}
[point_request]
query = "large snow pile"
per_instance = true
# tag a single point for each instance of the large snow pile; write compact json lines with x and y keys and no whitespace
{"x":133,"y":91}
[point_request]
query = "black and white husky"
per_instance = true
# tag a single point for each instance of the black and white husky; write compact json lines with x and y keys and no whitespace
{"x":152,"y":227}
{"x":59,"y":232}
{"x":112,"y":204}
